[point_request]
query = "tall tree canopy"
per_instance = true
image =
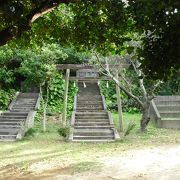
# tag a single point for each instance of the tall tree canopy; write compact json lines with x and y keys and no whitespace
{"x":101,"y":24}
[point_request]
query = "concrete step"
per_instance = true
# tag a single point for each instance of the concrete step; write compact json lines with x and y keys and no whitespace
{"x":93,"y":140}
{"x":92,"y":127}
{"x":11,"y":120}
{"x":10,"y":126}
{"x":7,"y":137}
{"x":93,"y":132}
{"x":24,"y":103}
{"x":169,"y":103}
{"x":9,"y":129}
{"x":25,"y":100}
{"x":88,"y":123}
{"x":12,"y":117}
{"x":89,"y":102}
{"x":28,"y":95}
{"x":168,"y":108}
{"x":170,"y":119}
{"x":89,"y":109}
{"x":93,"y":137}
{"x":92,"y":120}
{"x":103,"y":112}
{"x":89,"y":98}
{"x":22,"y":108}
{"x":14,"y":114}
{"x":91,"y":117}
{"x":170,"y":114}
{"x":11,"y":123}
{"x":28,"y":103}
{"x":89,"y":93}
{"x":86,"y":106}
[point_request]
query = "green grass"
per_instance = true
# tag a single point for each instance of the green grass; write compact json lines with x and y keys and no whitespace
{"x":50,"y":148}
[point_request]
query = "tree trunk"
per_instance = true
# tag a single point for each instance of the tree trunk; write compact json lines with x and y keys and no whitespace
{"x":145,"y":116}
{"x":44,"y":109}
{"x":44,"y":119}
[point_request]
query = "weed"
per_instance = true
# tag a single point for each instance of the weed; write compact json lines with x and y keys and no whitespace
{"x":63,"y":131}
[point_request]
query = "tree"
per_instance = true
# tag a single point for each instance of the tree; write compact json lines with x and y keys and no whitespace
{"x":103,"y":23}
{"x":18,"y":16}
{"x":39,"y":69}
{"x":159,"y":21}
{"x":126,"y":83}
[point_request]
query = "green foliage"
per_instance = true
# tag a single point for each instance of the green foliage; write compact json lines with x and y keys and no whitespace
{"x":6,"y":77}
{"x":171,"y":86}
{"x":63,"y":131}
{"x":30,"y":132}
{"x":29,"y":68}
{"x":56,"y":93}
{"x":102,"y":24}
{"x":128,"y":105}
{"x":6,"y":97}
{"x":160,"y":51}
{"x":71,"y":93}
{"x":39,"y":66}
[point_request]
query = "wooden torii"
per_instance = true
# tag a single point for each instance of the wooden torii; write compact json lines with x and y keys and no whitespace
{"x":77,"y":67}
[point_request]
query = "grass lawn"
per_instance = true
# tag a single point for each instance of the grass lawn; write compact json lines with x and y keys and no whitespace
{"x":44,"y":151}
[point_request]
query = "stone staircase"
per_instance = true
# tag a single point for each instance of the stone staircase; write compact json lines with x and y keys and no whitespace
{"x":165,"y":111}
{"x":91,"y":122}
{"x":19,"y":117}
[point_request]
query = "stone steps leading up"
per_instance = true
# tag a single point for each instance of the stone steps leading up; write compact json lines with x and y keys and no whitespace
{"x":13,"y":121}
{"x":92,"y":123}
{"x":165,"y":110}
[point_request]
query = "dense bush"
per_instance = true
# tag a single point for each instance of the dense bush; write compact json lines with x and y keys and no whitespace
{"x":128,"y":105}
{"x":23,"y":68}
{"x":6,"y":97}
{"x":63,"y":131}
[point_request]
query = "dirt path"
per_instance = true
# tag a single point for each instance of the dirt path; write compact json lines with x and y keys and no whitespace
{"x":156,"y":163}
{"x":161,"y":163}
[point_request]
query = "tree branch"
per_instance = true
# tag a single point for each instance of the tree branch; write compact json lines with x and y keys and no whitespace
{"x":22,"y":25}
{"x":141,"y":80}
{"x":117,"y":82}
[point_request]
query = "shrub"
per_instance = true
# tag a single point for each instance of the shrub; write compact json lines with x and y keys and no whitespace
{"x":30,"y":132}
{"x":63,"y":131}
{"x":6,"y":97}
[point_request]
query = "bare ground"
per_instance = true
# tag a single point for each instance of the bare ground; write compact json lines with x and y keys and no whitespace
{"x":148,"y":163}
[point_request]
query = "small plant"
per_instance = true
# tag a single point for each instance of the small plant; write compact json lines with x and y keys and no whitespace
{"x":30,"y":132}
{"x":130,"y":127}
{"x":63,"y":131}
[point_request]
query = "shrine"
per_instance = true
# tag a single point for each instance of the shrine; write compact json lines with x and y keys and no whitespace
{"x":90,"y":121}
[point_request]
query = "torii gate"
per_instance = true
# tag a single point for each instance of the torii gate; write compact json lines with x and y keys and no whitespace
{"x":89,"y":68}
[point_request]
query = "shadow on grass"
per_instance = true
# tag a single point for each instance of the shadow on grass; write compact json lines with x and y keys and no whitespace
{"x":24,"y":164}
{"x":72,"y":169}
